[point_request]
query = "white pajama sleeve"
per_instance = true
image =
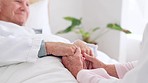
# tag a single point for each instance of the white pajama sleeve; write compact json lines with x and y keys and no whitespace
{"x":93,"y":76}
{"x":19,"y":49}
{"x":122,"y":69}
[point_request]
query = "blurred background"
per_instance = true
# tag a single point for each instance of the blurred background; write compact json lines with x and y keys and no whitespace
{"x":130,"y":14}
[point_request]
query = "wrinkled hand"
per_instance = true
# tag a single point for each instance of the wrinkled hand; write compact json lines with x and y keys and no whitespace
{"x":94,"y":61}
{"x":73,"y":63}
{"x":60,"y":49}
{"x":84,"y":48}
{"x":110,"y":68}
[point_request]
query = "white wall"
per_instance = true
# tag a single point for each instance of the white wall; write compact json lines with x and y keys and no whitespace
{"x":99,"y":13}
{"x":60,"y":9}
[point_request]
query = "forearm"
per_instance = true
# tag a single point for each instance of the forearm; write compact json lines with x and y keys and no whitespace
{"x":60,"y":49}
{"x":50,"y":47}
{"x":111,"y":70}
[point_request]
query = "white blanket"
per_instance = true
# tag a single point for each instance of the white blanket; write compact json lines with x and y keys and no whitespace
{"x":44,"y":70}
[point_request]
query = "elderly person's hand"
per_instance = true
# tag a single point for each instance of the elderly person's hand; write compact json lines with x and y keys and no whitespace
{"x":84,"y":48}
{"x":60,"y":49}
{"x":94,"y":61}
{"x":110,"y":68}
{"x":73,"y":63}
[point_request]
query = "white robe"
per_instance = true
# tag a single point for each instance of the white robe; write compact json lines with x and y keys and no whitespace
{"x":19,"y":62}
{"x":17,"y":44}
{"x":137,"y":75}
{"x":21,"y":44}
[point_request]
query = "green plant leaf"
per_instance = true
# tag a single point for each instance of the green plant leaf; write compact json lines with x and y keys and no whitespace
{"x":69,"y":18}
{"x":118,"y":27}
{"x":114,"y":26}
{"x":74,"y":23}
{"x":69,"y":29}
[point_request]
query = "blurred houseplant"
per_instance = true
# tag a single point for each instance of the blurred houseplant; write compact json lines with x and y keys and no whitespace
{"x":76,"y":27}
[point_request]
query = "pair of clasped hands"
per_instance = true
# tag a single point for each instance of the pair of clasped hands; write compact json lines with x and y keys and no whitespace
{"x":76,"y":56}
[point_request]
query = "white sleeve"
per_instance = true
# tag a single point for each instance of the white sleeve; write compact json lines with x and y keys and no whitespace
{"x":122,"y":69}
{"x":18,"y":49}
{"x":93,"y":76}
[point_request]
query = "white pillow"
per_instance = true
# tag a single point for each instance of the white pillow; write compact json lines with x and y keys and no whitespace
{"x":39,"y":18}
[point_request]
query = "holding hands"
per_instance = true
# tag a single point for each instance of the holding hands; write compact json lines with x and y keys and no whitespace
{"x":74,"y":63}
{"x":76,"y":56}
{"x":79,"y":61}
{"x":84,"y":50}
{"x":94,"y":61}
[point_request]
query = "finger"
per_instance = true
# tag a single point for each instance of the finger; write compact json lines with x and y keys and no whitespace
{"x":89,"y":58}
{"x":90,"y":65}
{"x":87,"y":63}
{"x":78,"y":52}
{"x":91,"y":53}
{"x":75,"y":47}
{"x":73,"y":50}
{"x":82,"y":51}
{"x":64,"y":60}
{"x":84,"y":64}
{"x":87,"y":51}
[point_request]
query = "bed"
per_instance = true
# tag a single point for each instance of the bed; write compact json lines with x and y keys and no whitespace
{"x":48,"y":69}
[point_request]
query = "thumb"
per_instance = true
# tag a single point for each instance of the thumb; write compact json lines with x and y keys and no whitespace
{"x":87,"y":57}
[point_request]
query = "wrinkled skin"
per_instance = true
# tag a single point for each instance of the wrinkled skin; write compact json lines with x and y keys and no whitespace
{"x":60,"y":49}
{"x":15,"y":11}
{"x":73,"y":63}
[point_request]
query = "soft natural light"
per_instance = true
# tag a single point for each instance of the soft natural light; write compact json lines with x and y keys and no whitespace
{"x":132,"y":4}
{"x":133,"y":16}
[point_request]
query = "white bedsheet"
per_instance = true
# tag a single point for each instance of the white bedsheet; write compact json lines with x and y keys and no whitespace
{"x":44,"y":70}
